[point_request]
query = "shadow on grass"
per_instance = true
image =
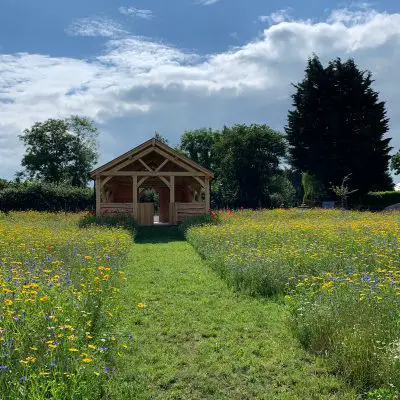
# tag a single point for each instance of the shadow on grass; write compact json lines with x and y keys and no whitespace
{"x":158,"y":234}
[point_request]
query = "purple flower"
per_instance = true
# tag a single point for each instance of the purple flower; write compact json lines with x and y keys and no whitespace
{"x":3,"y":368}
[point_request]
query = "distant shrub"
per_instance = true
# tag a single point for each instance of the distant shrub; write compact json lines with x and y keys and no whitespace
{"x":112,"y":221}
{"x":377,"y":201}
{"x":198,"y":220}
{"x":46,"y":197}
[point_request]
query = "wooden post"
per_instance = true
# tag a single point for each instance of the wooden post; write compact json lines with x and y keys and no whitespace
{"x":172,"y":200}
{"x":98,"y":196}
{"x":207,"y":193}
{"x":135,"y":197}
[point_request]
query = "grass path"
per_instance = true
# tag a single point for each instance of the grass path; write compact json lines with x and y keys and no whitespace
{"x":196,"y":339}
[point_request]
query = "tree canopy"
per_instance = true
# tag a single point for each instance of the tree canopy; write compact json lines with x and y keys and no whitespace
{"x":395,"y":163}
{"x":244,"y":158}
{"x":338,"y":127}
{"x":60,"y":151}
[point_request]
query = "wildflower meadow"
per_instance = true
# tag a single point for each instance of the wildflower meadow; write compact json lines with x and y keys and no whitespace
{"x":57,"y":310}
{"x":338,"y":272}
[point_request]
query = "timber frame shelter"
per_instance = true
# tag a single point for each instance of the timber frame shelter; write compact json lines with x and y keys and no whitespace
{"x":183,"y":185}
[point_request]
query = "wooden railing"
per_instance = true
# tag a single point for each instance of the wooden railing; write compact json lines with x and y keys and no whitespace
{"x":184,"y":210}
{"x":116,"y":208}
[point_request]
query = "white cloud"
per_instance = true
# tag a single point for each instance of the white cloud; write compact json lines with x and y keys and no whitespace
{"x":95,"y":26}
{"x":277,"y":16}
{"x":135,"y":12}
{"x":138,"y":86}
{"x":207,"y":2}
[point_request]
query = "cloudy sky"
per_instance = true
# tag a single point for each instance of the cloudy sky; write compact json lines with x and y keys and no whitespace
{"x":136,"y":67}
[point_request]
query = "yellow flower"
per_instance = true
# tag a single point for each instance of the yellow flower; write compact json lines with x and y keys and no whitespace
{"x":73,"y":349}
{"x":328,"y":285}
{"x":8,"y":302}
{"x":141,"y":305}
{"x":91,"y":346}
{"x":87,"y":360}
{"x":88,"y":258}
{"x":44,"y":298}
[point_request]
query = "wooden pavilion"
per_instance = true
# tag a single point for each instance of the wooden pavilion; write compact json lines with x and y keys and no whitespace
{"x":183,"y":185}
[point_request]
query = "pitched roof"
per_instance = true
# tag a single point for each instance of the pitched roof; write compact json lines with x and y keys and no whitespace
{"x":144,"y":146}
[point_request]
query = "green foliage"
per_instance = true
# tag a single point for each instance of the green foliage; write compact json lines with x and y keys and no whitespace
{"x":382,"y":394}
{"x":46,"y":197}
{"x":377,"y":201}
{"x":282,"y":192}
{"x":111,"y":221}
{"x":59,"y":313}
{"x":338,"y":125}
{"x":196,"y":339}
{"x":244,"y":159}
{"x":395,"y":163}
{"x":362,"y":344}
{"x":60,"y":151}
{"x":197,"y":220}
{"x":248,"y":157}
{"x":3,"y":184}
{"x":313,"y":189}
{"x":199,"y":145}
{"x":339,"y":272}
{"x":150,"y":196}
{"x":343,"y":192}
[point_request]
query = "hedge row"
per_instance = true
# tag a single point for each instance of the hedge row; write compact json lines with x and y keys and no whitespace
{"x":46,"y":197}
{"x":377,"y":201}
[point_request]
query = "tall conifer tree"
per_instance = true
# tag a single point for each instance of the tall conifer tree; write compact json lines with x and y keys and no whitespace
{"x":338,"y":127}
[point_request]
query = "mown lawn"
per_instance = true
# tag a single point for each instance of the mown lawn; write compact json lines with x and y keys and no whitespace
{"x":194,"y":338}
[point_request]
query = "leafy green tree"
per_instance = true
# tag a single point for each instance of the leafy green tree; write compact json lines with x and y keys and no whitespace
{"x":3,"y":183}
{"x":282,"y":192}
{"x":60,"y":151}
{"x":248,"y":157}
{"x":313,"y":190}
{"x":199,"y":145}
{"x":337,"y":127}
{"x":395,"y":163}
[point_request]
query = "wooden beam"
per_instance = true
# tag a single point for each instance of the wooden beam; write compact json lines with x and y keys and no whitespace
{"x":152,"y":173}
{"x":174,"y":160}
{"x":98,"y":198}
{"x":131,"y":160}
{"x":202,"y":183}
{"x":142,"y":181}
{"x":135,"y":197}
{"x":165,"y":181}
{"x":172,"y":210}
{"x":172,"y":190}
{"x":162,"y":164}
{"x":207,"y":193}
{"x":106,"y":180}
{"x":145,"y":165}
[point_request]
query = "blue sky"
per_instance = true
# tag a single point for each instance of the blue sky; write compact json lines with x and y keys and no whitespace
{"x":136,"y":67}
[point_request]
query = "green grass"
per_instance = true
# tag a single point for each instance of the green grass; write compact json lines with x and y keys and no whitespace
{"x":197,"y":339}
{"x":340,"y":271}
